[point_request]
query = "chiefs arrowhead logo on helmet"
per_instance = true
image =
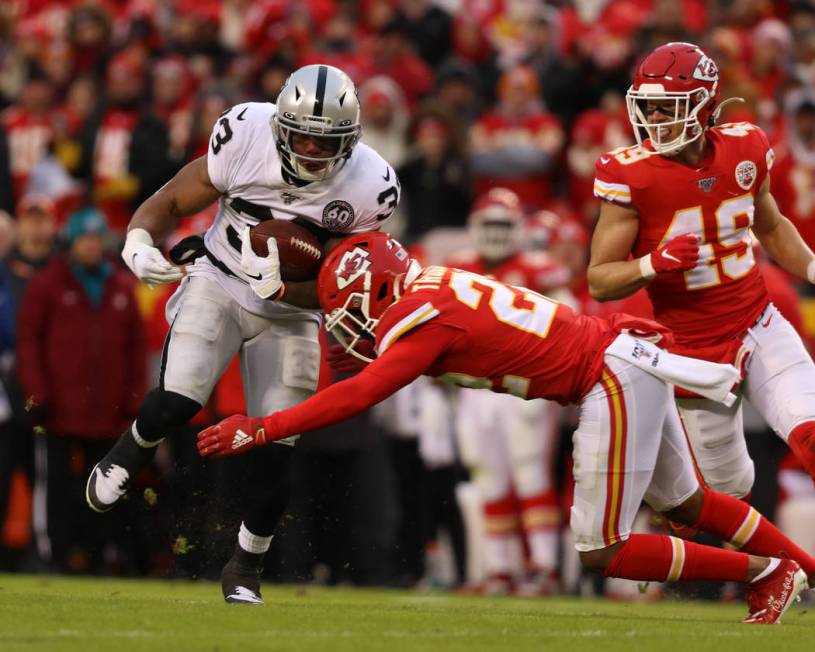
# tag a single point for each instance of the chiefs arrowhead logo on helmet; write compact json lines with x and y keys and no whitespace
{"x":706,"y":70}
{"x":352,"y":265}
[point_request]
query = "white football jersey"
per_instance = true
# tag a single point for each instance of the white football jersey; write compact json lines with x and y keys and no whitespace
{"x":244,"y":165}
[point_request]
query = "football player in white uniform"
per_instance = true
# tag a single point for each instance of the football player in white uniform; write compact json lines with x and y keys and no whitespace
{"x":301,"y":160}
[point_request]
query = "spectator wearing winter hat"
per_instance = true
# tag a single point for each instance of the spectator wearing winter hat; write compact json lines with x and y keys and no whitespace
{"x":82,"y":366}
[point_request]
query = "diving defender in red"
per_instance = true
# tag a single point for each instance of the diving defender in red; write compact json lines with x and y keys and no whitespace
{"x":629,"y":446}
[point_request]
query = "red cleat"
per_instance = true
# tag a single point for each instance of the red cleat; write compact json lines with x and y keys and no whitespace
{"x":772,"y":595}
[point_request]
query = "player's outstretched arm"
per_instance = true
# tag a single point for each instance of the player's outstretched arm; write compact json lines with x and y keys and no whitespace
{"x":406,"y":360}
{"x":188,"y":192}
{"x":612,"y":275}
{"x":780,"y":238}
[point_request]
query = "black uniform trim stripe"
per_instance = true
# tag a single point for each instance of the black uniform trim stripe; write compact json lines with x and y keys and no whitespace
{"x":319,"y":96}
{"x":164,"y":352}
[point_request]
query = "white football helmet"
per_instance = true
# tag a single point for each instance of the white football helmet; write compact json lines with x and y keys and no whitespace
{"x":317,"y":100}
{"x":496,"y":224}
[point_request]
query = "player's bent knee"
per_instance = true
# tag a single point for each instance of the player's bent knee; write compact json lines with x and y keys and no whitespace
{"x":596,"y":561}
{"x":163,"y":412}
{"x":738,"y":482}
{"x":689,"y":511}
{"x":798,"y":409}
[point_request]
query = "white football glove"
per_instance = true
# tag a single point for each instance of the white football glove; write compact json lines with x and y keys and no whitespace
{"x":263,"y":272}
{"x":146,"y":261}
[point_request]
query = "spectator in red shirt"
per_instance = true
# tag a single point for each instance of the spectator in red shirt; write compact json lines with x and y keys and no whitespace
{"x":793,"y":175}
{"x":392,"y":54}
{"x":124,"y":148}
{"x":26,"y":130}
{"x":518,"y":144}
{"x":82,"y":366}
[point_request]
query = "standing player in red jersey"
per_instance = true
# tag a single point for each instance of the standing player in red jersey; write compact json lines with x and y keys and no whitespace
{"x":477,"y":332}
{"x":508,"y":442}
{"x":676,"y":218}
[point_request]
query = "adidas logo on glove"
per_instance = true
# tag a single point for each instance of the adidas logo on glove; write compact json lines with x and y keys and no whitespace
{"x":241,"y":439}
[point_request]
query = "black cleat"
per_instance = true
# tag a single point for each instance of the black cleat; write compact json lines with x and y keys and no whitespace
{"x":240,"y":578}
{"x":111,"y":477}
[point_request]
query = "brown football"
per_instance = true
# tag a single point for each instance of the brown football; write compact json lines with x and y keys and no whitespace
{"x":300,"y":251}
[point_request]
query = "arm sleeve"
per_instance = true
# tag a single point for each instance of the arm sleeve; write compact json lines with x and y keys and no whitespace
{"x":406,"y":360}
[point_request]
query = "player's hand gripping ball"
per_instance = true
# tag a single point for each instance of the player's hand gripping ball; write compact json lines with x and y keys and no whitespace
{"x":299,"y":250}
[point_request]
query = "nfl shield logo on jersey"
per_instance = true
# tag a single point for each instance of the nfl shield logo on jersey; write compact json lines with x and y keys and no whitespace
{"x":746,"y":174}
{"x":707,"y":183}
{"x":338,"y":215}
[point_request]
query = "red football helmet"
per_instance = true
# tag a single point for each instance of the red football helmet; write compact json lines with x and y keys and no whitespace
{"x":496,"y":224}
{"x":359,"y":279}
{"x":677,"y":73}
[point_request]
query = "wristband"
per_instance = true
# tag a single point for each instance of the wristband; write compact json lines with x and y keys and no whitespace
{"x":278,"y":296}
{"x":646,"y":268}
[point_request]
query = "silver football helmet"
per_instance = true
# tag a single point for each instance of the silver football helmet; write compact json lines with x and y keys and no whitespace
{"x":321,"y":102}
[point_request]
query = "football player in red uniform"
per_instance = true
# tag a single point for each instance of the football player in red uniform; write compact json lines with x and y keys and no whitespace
{"x":509,"y":442}
{"x":676,"y":217}
{"x":629,"y":446}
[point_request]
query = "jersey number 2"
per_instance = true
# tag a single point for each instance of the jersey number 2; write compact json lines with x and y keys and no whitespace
{"x":536,"y":319}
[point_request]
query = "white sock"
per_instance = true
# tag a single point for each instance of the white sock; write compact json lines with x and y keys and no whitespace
{"x":144,"y":443}
{"x":774,"y":561}
{"x":252,"y":542}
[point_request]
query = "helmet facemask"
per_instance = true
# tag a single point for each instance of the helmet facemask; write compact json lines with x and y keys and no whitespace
{"x":496,"y":239}
{"x":686,"y":109}
{"x":285,"y":126}
{"x":351,"y":323}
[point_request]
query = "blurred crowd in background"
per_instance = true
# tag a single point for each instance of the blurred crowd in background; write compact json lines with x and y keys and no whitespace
{"x":104,"y":100}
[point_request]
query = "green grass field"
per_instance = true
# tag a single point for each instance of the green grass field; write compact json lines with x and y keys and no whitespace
{"x":56,"y":614}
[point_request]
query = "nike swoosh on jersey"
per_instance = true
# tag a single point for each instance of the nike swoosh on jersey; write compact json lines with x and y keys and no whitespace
{"x":387,"y":175}
{"x":665,"y":254}
{"x":257,"y":277}
{"x":241,"y":114}
{"x":604,"y":160}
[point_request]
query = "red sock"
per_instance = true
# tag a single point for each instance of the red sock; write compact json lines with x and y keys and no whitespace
{"x":540,"y":511}
{"x":802,"y":443}
{"x":501,"y":516}
{"x":735,"y":521}
{"x":661,"y":558}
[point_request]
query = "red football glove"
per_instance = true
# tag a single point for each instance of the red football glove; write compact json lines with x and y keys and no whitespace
{"x":677,"y":255}
{"x":232,"y":436}
{"x":340,"y":360}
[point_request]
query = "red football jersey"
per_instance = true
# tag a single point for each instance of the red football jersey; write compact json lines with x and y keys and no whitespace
{"x":714,"y":303}
{"x":529,"y":269}
{"x":511,"y":339}
{"x":28,"y":137}
{"x":543,"y":130}
{"x":793,"y":186}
